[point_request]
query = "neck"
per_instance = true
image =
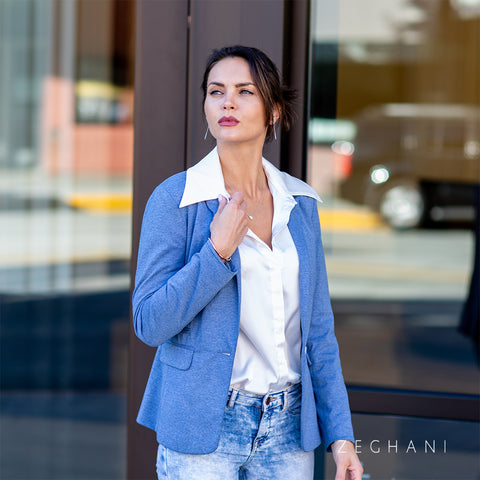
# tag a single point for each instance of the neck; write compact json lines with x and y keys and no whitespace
{"x":242,"y":168}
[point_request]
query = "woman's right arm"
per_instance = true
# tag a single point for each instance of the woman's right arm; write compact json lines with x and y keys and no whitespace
{"x":169,"y":292}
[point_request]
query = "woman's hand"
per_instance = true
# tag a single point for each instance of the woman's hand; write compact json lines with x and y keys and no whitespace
{"x":346,"y":459}
{"x":229,"y":225}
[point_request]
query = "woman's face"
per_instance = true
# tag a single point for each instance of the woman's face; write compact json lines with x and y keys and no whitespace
{"x":233,"y":105}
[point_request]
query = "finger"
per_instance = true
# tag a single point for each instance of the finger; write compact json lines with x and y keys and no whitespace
{"x":356,"y":473}
{"x":240,"y":201}
{"x":340,"y":474}
{"x":222,"y":202}
{"x":238,"y":198}
{"x":243,"y":206}
{"x":244,"y":230}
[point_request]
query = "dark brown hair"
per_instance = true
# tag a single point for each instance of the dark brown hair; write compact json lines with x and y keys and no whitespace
{"x":266,"y":78}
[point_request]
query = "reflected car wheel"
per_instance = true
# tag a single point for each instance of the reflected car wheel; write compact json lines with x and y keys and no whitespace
{"x":403,"y":206}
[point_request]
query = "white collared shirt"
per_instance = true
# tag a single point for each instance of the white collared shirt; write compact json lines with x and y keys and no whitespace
{"x":267,"y":357}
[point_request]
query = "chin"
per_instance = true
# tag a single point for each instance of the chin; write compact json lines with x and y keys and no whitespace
{"x":232,"y":137}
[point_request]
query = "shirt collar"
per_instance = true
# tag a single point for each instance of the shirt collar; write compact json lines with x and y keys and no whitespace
{"x":204,"y":181}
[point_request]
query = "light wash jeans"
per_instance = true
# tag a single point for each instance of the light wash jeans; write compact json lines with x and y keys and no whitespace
{"x":260,"y":440}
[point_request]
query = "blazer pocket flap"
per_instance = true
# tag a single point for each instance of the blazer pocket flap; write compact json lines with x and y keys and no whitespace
{"x":178,"y":356}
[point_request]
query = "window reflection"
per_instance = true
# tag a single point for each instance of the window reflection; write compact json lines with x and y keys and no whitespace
{"x":397,"y":162}
{"x":414,"y":448}
{"x":411,"y":163}
{"x":66,"y":149}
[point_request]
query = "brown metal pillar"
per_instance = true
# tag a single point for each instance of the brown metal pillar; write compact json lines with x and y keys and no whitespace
{"x":219,"y":23}
{"x":174,"y":38}
{"x":159,"y":151}
{"x":296,"y":66}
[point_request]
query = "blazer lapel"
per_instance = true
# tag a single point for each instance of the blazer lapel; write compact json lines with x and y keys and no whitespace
{"x":212,"y":205}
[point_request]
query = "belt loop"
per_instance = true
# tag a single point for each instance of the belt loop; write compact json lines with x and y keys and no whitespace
{"x":233,"y":397}
{"x":285,"y":400}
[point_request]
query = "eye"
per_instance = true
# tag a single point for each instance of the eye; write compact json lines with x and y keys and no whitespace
{"x":244,"y":91}
{"x":214,"y":92}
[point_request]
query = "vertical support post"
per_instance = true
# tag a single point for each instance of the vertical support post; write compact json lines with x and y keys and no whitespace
{"x":159,"y":151}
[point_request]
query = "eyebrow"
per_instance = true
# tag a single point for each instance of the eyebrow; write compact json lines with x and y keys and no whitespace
{"x":238,"y":85}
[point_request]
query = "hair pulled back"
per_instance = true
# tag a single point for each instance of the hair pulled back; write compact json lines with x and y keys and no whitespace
{"x":266,"y":77}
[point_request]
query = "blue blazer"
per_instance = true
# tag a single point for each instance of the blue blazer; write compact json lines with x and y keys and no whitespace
{"x":186,"y":302}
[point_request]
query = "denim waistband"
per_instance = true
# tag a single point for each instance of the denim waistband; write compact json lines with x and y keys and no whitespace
{"x":269,"y":400}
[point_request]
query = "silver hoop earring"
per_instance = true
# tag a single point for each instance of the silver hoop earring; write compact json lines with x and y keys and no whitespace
{"x":206,"y":133}
{"x":274,"y":132}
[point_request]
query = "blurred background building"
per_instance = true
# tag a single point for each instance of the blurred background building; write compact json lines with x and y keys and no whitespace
{"x":66,"y":155}
{"x":388,"y":133}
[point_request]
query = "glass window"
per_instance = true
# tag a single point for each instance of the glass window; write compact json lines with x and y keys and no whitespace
{"x":66,"y":152}
{"x":406,"y":448}
{"x":395,"y":153}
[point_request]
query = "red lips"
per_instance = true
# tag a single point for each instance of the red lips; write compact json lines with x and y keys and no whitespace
{"x":228,"y":122}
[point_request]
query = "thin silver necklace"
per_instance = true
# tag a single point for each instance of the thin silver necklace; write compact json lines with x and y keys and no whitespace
{"x":251,"y":217}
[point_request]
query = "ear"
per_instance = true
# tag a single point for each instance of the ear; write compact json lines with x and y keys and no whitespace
{"x":275,"y":115}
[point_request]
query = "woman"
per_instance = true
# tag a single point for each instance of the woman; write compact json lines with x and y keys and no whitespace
{"x":231,"y":286}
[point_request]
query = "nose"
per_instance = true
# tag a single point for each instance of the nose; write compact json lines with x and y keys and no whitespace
{"x":228,"y":103}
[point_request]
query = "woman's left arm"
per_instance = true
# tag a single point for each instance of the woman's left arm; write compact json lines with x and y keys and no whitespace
{"x":330,"y":392}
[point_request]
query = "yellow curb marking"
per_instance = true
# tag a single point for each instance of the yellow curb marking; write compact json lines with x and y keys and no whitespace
{"x":121,"y":202}
{"x":331,"y":219}
{"x":348,"y":220}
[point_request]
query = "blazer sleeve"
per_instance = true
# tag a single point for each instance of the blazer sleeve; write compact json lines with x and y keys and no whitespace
{"x":169,"y":292}
{"x":330,"y":392}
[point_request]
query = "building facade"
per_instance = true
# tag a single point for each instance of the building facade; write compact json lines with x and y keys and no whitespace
{"x":100,"y":101}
